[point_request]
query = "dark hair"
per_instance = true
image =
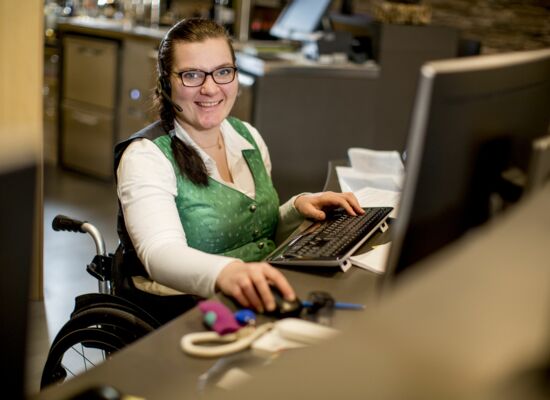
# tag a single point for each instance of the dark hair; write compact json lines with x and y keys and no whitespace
{"x":190,"y":30}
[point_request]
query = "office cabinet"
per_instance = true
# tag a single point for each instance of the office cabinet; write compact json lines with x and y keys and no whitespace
{"x":90,"y":67}
{"x":138,"y":80}
{"x":88,"y":114}
{"x":88,"y":139}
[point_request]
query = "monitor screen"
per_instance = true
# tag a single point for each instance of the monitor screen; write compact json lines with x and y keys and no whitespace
{"x":474,"y":119}
{"x":300,"y":19}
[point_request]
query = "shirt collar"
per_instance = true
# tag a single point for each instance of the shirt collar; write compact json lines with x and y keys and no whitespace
{"x":234,"y":142}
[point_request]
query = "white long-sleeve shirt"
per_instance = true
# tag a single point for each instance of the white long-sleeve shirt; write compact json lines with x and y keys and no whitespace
{"x":147,"y":190}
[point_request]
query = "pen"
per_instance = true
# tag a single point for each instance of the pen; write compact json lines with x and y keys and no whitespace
{"x":338,"y":305}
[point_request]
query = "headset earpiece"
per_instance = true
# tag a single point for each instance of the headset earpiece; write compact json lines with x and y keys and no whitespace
{"x":163,"y":84}
{"x":164,"y":87}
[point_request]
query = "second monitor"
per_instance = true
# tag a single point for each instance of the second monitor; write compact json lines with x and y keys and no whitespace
{"x":300,"y":20}
{"x":474,"y":119}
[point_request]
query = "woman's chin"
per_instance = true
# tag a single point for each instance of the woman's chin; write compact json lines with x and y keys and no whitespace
{"x":210,"y":122}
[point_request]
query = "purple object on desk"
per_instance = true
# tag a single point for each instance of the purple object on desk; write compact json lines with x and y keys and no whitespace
{"x":218,"y":317}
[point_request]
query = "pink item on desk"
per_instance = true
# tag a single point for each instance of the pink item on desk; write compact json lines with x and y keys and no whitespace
{"x":218,"y":317}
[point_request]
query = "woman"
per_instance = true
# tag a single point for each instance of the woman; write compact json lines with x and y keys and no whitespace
{"x":195,"y":188}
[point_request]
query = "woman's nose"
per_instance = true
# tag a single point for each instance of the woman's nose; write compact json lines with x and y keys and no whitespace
{"x":209,"y":86}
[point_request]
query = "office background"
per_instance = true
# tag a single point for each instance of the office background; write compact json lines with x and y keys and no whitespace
{"x":499,"y":25}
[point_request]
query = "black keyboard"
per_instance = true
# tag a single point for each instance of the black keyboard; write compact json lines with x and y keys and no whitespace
{"x":332,"y":241}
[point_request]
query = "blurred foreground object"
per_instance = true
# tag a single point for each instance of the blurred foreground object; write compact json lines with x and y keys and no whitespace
{"x":472,"y":323}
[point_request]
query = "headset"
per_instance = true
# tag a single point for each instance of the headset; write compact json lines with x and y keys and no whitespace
{"x":163,"y":84}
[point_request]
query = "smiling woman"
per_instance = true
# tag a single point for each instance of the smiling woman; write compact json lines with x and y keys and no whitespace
{"x":206,"y":99}
{"x":199,"y":210}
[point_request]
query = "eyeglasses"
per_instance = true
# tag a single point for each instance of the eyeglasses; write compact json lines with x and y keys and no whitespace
{"x":196,"y":77}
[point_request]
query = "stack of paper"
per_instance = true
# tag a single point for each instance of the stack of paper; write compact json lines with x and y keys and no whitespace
{"x":374,"y":260}
{"x":370,"y":168}
{"x":376,"y":179}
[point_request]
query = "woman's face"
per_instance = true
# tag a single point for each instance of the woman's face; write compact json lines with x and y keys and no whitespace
{"x":206,"y":106}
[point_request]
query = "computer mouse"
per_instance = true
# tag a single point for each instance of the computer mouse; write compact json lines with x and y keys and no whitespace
{"x":284,"y":308}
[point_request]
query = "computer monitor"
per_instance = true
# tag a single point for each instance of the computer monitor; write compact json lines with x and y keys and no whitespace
{"x":17,"y":213}
{"x":300,"y":19}
{"x":474,"y":119}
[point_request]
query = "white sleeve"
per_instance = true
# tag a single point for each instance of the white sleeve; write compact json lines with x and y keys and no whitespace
{"x":147,"y":190}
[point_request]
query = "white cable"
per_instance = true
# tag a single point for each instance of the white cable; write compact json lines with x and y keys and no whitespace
{"x":234,"y":342}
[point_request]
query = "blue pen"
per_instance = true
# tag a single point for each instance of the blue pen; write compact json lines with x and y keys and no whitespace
{"x":337,"y":305}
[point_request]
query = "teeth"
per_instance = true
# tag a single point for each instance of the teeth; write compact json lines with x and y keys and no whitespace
{"x":209,"y":103}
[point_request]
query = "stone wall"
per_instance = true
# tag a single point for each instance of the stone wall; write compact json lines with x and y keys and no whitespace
{"x":500,"y":25}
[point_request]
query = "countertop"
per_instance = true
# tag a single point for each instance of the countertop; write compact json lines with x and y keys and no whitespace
{"x":288,"y":61}
{"x":113,"y":29}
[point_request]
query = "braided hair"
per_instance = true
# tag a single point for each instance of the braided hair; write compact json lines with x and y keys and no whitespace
{"x":190,"y":30}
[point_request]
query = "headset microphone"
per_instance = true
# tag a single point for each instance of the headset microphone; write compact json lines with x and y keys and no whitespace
{"x":167,"y":97}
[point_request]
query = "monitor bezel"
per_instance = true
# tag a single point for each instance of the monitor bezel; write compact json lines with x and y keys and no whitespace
{"x":430,"y":76}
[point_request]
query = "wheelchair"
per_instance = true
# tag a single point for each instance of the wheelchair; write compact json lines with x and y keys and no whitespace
{"x":103,"y":323}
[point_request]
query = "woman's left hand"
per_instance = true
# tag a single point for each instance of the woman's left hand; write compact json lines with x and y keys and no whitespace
{"x":312,"y":205}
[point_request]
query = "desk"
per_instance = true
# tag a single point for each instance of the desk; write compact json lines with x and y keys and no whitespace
{"x":470,"y":324}
{"x":156,"y":368}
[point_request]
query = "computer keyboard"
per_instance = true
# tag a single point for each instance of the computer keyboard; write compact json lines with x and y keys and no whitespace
{"x":330,"y":242}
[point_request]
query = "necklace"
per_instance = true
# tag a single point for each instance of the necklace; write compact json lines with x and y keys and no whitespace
{"x":218,"y":144}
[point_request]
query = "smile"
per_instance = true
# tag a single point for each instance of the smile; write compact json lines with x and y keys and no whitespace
{"x":208,"y":103}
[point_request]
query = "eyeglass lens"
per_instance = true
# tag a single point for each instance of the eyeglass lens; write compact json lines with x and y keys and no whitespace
{"x":197,"y":77}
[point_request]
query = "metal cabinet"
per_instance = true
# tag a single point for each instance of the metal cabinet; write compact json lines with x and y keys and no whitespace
{"x":88,"y":140}
{"x":138,"y":79}
{"x":88,"y":114}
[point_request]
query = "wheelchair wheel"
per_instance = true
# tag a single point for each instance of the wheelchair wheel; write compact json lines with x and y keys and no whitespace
{"x":77,"y":352}
{"x":119,"y":322}
{"x":89,"y":338}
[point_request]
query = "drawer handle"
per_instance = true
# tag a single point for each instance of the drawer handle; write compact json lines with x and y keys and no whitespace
{"x":90,"y":52}
{"x":85,"y":119}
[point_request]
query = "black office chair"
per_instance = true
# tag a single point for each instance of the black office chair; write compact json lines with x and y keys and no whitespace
{"x":105,"y":322}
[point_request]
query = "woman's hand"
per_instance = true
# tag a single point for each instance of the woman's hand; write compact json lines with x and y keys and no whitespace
{"x":312,"y":205}
{"x":249,"y":284}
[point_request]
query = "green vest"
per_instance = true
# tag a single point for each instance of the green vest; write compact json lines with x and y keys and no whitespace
{"x":218,"y":219}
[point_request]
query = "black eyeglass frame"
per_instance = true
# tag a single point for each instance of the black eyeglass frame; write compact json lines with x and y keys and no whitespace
{"x":206,"y":74}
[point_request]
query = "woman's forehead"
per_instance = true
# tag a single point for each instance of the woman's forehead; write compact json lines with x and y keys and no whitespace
{"x":204,"y":54}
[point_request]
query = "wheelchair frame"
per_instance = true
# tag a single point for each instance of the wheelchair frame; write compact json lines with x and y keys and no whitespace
{"x":101,"y":323}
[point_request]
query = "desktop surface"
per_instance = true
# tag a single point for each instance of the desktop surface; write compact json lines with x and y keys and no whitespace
{"x":507,"y":289}
{"x":473,"y":323}
{"x":155,"y":367}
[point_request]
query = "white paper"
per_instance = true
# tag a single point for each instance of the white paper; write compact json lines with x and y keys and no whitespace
{"x":371,"y":168}
{"x":375,"y":161}
{"x":376,"y":178}
{"x":272,"y":342}
{"x":372,"y":197}
{"x":233,"y":378}
{"x":351,"y":180}
{"x":374,"y":260}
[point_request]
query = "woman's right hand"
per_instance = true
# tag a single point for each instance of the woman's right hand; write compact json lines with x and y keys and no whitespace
{"x":249,"y":284}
